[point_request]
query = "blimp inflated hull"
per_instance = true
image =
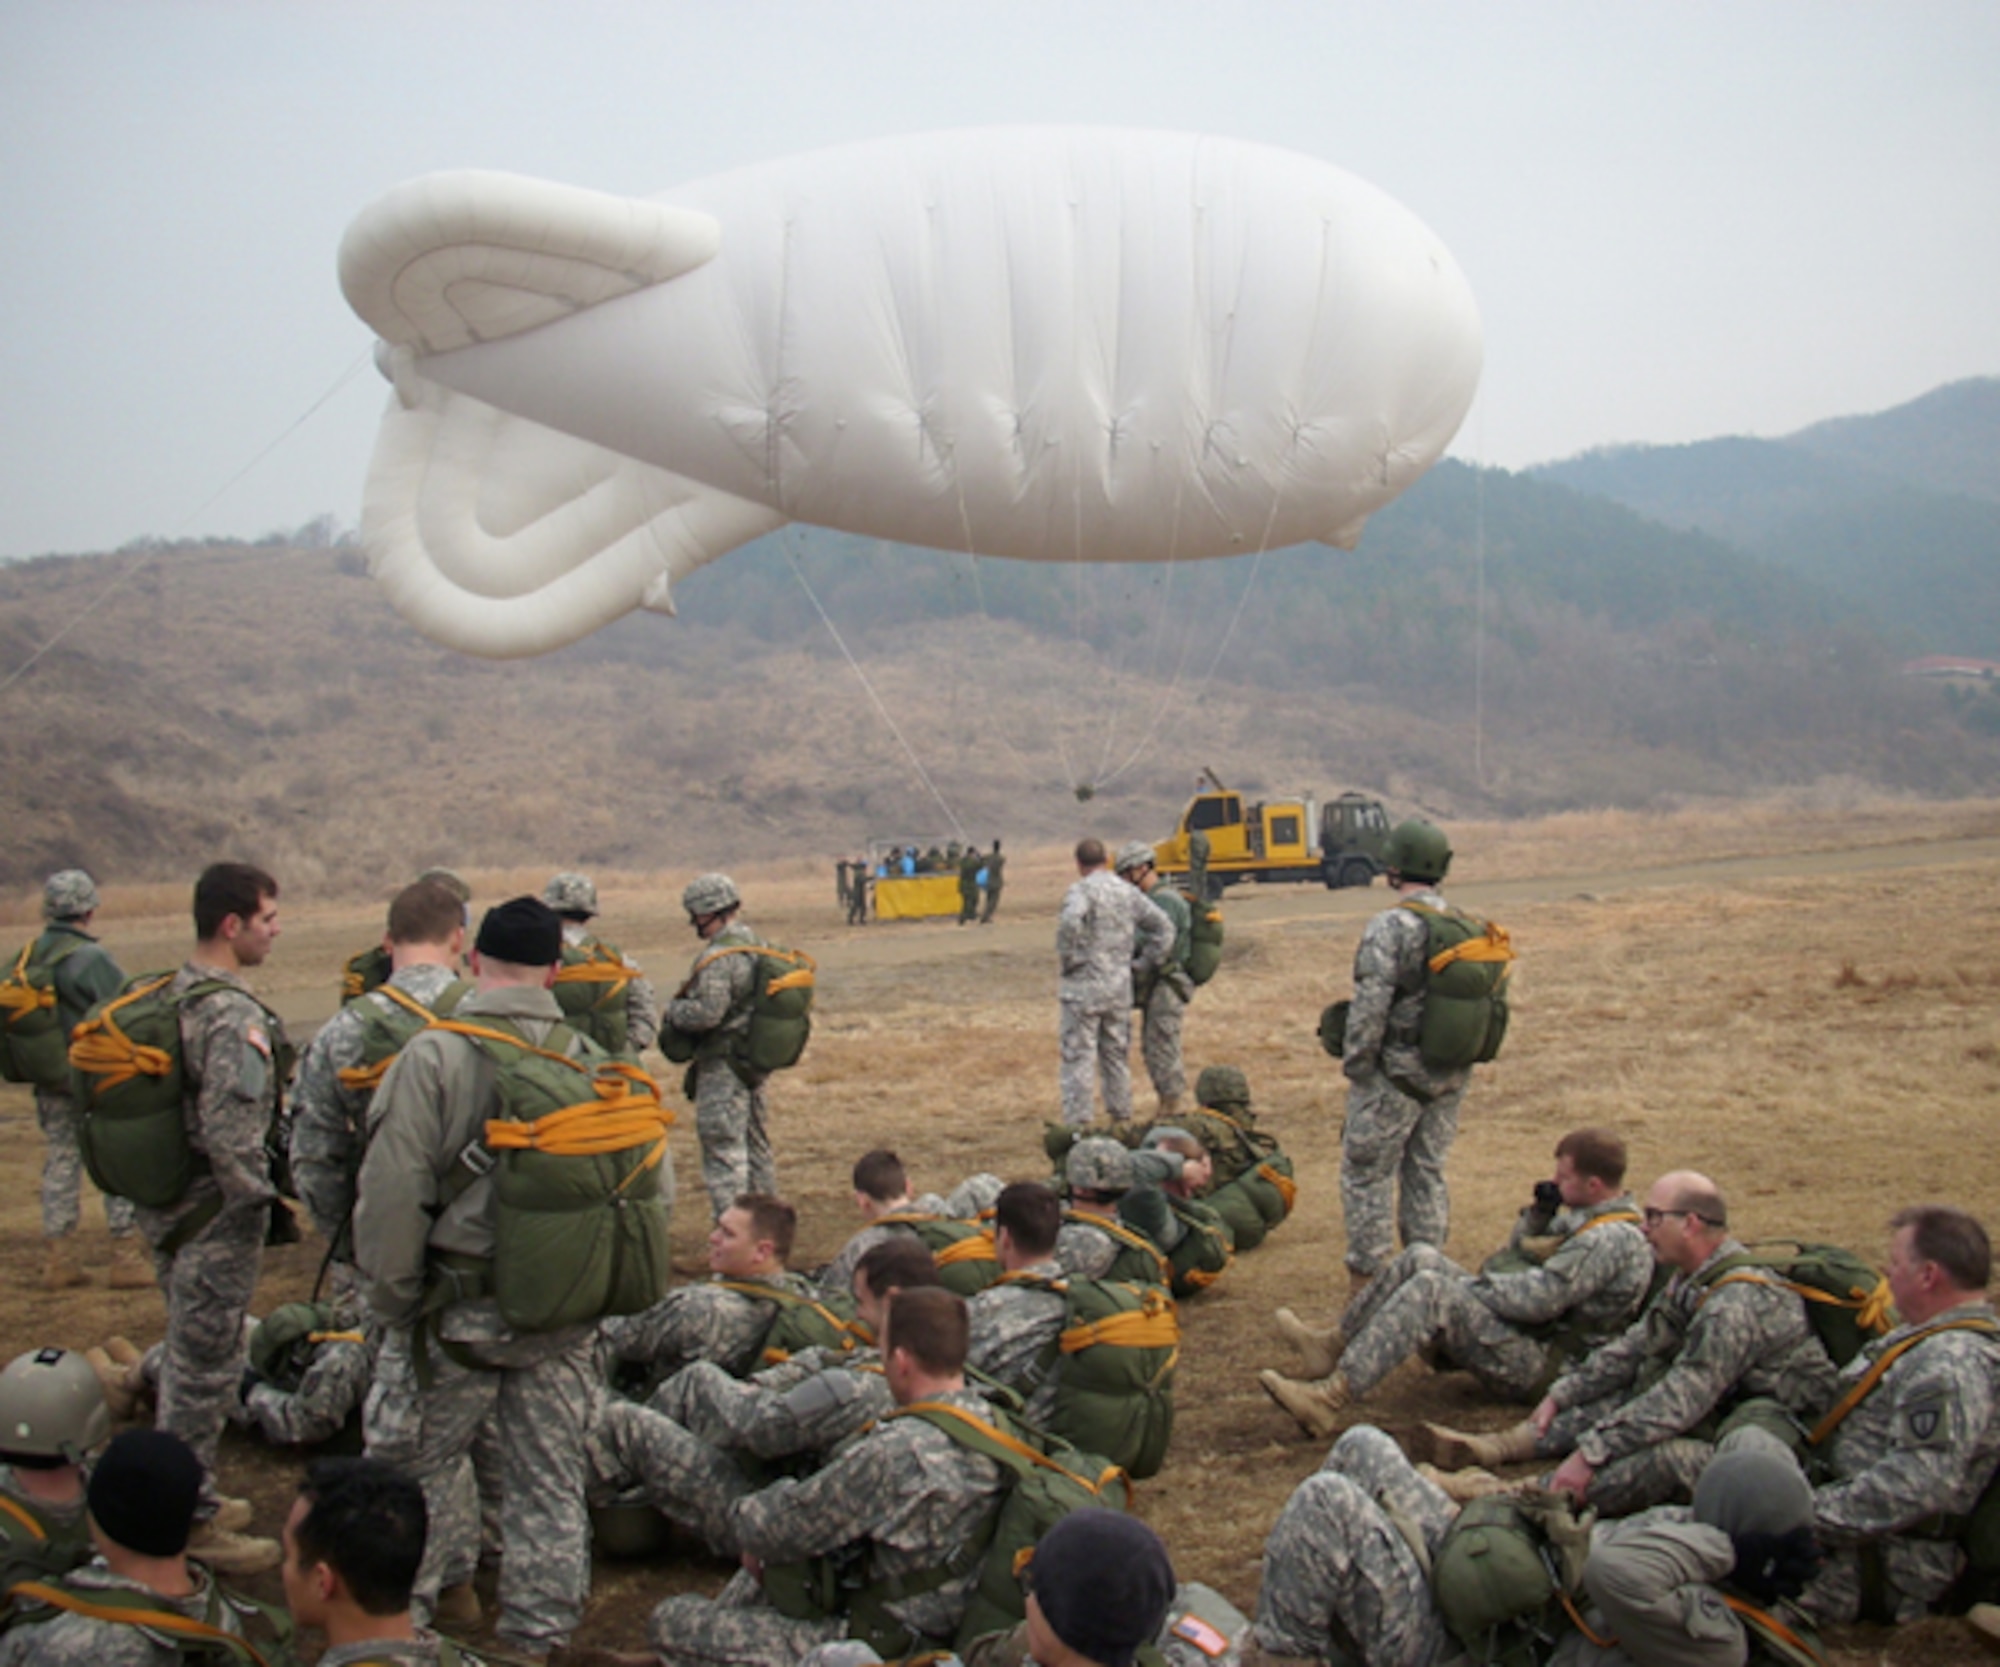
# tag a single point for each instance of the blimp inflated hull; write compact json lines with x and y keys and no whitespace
{"x":1048,"y":344}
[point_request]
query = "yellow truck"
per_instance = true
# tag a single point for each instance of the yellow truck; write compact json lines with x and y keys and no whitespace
{"x":1336,"y":844}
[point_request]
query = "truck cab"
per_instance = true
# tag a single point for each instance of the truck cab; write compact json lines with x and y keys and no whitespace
{"x":1339,"y":844}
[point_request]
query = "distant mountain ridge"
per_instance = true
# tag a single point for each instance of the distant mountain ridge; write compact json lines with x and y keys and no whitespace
{"x":1898,"y":511}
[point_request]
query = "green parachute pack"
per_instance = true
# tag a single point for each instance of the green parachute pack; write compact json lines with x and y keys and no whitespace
{"x":33,"y":1048}
{"x":580,"y":1230}
{"x":127,"y":1079}
{"x":1846,"y":1298}
{"x":208,"y":1639}
{"x":1113,"y":1366}
{"x":1258,"y":1199}
{"x":780,"y":1003}
{"x":967,"y":1260}
{"x":590,"y":989}
{"x":1206,"y":1247}
{"x":385,"y":1030}
{"x":1507,"y":1573}
{"x":34,"y":1546}
{"x":1204,"y":940}
{"x":1469,"y":961}
{"x":1045,"y":1479}
{"x":802,"y":1322}
{"x":367,"y":970}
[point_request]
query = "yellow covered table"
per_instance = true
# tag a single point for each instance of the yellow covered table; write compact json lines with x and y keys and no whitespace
{"x":916,"y":896}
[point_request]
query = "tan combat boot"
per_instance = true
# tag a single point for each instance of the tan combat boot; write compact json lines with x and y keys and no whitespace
{"x":1463,"y":1486}
{"x":232,"y":1516}
{"x":1317,"y":1406}
{"x":457,"y":1608}
{"x":130,"y":1271}
{"x":60,"y":1272}
{"x":236,"y":1554}
{"x":1459,"y":1449}
{"x":1356,"y":1284}
{"x":119,"y":1396}
{"x":1170,"y":1105}
{"x":1319,"y":1349}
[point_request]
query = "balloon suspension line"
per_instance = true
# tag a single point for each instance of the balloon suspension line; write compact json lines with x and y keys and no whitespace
{"x":840,"y":642}
{"x":147,"y":557}
{"x":1479,"y":626}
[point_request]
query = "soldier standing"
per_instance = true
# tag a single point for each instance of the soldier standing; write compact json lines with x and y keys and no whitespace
{"x":447,"y":1366}
{"x":843,"y":897}
{"x":613,"y":1003}
{"x":1163,"y":999}
{"x":713,"y":1006}
{"x":970,"y":862}
{"x":1107,"y":935}
{"x":208,"y":1246}
{"x":857,"y":896}
{"x":81,"y":974}
{"x":1402,"y":1114}
{"x":996,"y":866}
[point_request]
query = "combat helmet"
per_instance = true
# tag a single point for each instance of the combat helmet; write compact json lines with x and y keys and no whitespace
{"x":52,"y":1407}
{"x":1417,"y":850}
{"x":710,"y":895}
{"x":1136,"y":854}
{"x":571,"y":894}
{"x":1098,"y":1165}
{"x":70,"y":895}
{"x":1222,"y":1088}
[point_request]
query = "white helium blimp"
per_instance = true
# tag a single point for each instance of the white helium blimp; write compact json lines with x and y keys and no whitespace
{"x":1056,"y":344}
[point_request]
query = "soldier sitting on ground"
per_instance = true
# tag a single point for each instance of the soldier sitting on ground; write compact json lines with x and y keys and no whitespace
{"x":1513,"y":1325}
{"x":1094,"y":1242}
{"x":52,"y":1420}
{"x":725,"y":1318}
{"x":1638,"y":1417}
{"x":1016,"y":1321}
{"x":882,"y":1188}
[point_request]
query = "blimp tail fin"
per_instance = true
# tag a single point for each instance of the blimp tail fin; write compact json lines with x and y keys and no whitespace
{"x":497,"y":536}
{"x":454,"y":258}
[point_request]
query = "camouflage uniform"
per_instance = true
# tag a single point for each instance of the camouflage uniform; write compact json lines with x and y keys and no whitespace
{"x":229,"y":1044}
{"x":1108,"y":933}
{"x":1166,"y":1001}
{"x":1512,"y":1331}
{"x":328,"y":1118}
{"x":425,"y":1412}
{"x":82,"y":978}
{"x":1640,"y":1409}
{"x":1402,"y":1116}
{"x":64,"y":1532}
{"x":1091,"y":1248}
{"x":907,"y":1494}
{"x":67,"y":1640}
{"x":687,"y":1480}
{"x":333,"y":1389}
{"x":1341,"y":1582}
{"x":699,"y":1322}
{"x":996,"y":865}
{"x":642,"y":1002}
{"x":969,"y":866}
{"x":1924,"y":1443}
{"x":965,"y":1201}
{"x":729,"y":1112}
{"x":805,"y":1404}
{"x":421,"y":1651}
{"x":1015,"y":1324}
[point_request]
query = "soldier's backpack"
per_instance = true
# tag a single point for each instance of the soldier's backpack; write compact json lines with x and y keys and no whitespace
{"x":1469,"y":961}
{"x":33,"y":1048}
{"x":1257,"y":1200}
{"x":967,"y":1260}
{"x":1113,"y":1364}
{"x":1204,"y":940}
{"x":1138,"y":1260}
{"x":1846,"y":1299}
{"x":1507,"y":1573}
{"x":386,"y":1030}
{"x":1206,"y":1246}
{"x":580,"y":1230}
{"x":801,"y":1322}
{"x":127,"y":1080}
{"x":368,"y":970}
{"x":780,"y":1003}
{"x":34,"y":1547}
{"x":206,"y":1641}
{"x":590,"y":989}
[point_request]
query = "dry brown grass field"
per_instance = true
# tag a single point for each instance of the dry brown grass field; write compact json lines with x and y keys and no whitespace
{"x":1798,"y":996}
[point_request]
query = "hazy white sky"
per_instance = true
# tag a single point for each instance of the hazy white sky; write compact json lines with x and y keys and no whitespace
{"x":1681,"y":219}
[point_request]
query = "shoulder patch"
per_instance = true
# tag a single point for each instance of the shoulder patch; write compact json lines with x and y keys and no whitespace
{"x":1926,"y":1421}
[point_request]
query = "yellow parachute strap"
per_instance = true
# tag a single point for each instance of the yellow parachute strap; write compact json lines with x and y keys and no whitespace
{"x":365,"y":1079}
{"x":100,"y":1049}
{"x":23,"y":1516}
{"x":1874,"y":1375}
{"x":1152,"y":1325}
{"x":1288,"y":1189}
{"x":1133,"y":1237}
{"x":1609,"y":1218}
{"x":1493,"y":944}
{"x":975,"y":1247}
{"x":1762,"y":1620}
{"x":1576,"y":1618}
{"x":336,"y":1337}
{"x":1872,"y":1309}
{"x":1013,"y":1444}
{"x":169,"y":1621}
{"x":1199,"y":1279}
{"x":601,"y":967}
{"x":800,"y":977}
{"x":19,"y":998}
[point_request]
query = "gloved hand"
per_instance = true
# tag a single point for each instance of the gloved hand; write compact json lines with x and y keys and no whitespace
{"x":1772,"y":1566}
{"x":251,"y":1378}
{"x":1146,"y":1208}
{"x":1548,"y":1197}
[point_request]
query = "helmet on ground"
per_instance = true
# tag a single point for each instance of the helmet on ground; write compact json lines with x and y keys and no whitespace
{"x":571,"y":894}
{"x":710,"y":895}
{"x":70,"y":895}
{"x":52,"y":1406}
{"x":1222,"y":1087}
{"x":629,"y":1526}
{"x":1098,"y":1165}
{"x":1417,"y":851}
{"x":1137,"y":854}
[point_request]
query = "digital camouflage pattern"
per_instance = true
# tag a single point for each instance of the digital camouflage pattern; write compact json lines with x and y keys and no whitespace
{"x":229,"y":1045}
{"x":698,"y":1322}
{"x":329,"y":1120}
{"x":690,"y":1481}
{"x":1640,"y":1408}
{"x":1402,"y":1116}
{"x":964,"y":1202}
{"x":1108,"y":933}
{"x":68,"y":895}
{"x":729,"y":1113}
{"x":806,"y":1404}
{"x":906,"y":1494}
{"x":68,"y":1640}
{"x":1925,"y":1442}
{"x":420,"y":1651}
{"x":1015,"y":1324}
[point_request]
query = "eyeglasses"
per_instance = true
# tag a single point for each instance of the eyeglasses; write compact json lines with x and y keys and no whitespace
{"x":1654,"y":1217}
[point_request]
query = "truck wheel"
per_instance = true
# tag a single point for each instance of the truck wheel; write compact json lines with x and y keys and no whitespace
{"x":1355,"y":872}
